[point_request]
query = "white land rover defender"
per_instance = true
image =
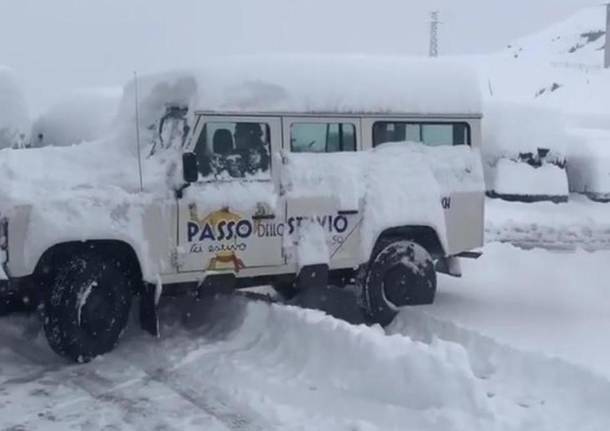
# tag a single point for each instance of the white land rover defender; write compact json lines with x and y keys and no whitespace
{"x":296,"y":200}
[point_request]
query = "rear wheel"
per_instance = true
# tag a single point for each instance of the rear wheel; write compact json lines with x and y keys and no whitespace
{"x":400,"y":274}
{"x":87,"y":306}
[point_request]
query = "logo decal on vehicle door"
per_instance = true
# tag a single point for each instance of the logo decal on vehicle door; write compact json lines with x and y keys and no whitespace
{"x":219,"y":227}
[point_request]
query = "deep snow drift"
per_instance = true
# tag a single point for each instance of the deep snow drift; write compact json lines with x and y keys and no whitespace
{"x":237,"y":364}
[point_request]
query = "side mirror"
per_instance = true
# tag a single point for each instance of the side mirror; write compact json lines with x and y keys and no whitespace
{"x":190,"y":170}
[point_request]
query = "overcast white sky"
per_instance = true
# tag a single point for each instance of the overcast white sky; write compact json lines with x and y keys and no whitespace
{"x":58,"y":45}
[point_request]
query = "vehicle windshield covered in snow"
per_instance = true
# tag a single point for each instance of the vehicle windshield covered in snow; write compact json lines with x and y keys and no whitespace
{"x":235,"y":149}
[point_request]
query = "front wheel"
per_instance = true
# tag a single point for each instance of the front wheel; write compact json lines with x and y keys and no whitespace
{"x":400,"y":274}
{"x":87,"y":306}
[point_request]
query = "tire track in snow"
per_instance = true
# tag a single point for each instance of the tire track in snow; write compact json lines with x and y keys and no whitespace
{"x":132,"y":392}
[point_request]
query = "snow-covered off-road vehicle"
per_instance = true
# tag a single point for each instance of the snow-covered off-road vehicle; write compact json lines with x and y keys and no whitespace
{"x":294,"y":174}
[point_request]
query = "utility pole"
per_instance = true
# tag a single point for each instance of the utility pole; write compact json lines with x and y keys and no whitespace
{"x":607,"y":49}
{"x":434,"y":24}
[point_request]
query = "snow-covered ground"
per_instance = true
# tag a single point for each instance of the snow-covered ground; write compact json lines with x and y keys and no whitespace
{"x":518,"y":343}
{"x":579,"y":223}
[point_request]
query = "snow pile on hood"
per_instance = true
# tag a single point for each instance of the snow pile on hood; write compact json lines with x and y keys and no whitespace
{"x":85,"y":115}
{"x":13,"y":110}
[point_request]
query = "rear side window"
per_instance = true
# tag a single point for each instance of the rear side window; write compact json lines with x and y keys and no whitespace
{"x":322,"y":137}
{"x":432,"y":134}
{"x":234,"y":150}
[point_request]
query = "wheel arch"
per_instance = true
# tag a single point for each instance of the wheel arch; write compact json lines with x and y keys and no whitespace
{"x":426,"y":236}
{"x":53,"y":255}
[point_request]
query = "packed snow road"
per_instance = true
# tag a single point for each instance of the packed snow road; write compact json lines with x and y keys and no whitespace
{"x":518,"y":343}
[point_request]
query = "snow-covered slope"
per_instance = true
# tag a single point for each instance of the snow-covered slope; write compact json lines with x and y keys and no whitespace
{"x":561,"y":66}
{"x":579,"y":39}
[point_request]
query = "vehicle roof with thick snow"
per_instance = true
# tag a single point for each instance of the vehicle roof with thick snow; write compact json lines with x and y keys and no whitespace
{"x":316,"y":84}
{"x":368,"y":114}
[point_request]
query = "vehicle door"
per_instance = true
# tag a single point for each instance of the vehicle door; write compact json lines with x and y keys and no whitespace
{"x":323,"y":138}
{"x":227,"y":219}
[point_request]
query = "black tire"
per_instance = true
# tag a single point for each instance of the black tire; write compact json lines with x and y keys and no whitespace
{"x":400,"y":274}
{"x":87,"y":306}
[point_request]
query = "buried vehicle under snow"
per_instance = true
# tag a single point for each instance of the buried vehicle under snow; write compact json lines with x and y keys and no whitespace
{"x":381,"y":190}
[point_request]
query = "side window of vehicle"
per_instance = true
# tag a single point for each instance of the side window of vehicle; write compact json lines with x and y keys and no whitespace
{"x":431,"y":134}
{"x":322,"y":137}
{"x":234,"y":150}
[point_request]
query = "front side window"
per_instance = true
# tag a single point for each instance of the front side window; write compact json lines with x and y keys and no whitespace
{"x":322,"y":137}
{"x":227,"y":150}
{"x":431,"y":134}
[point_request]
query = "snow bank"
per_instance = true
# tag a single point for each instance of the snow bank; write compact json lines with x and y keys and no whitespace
{"x":13,"y":110}
{"x":512,"y":130}
{"x":85,"y":115}
{"x":530,"y":389}
{"x":520,"y":179}
{"x":278,"y":351}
